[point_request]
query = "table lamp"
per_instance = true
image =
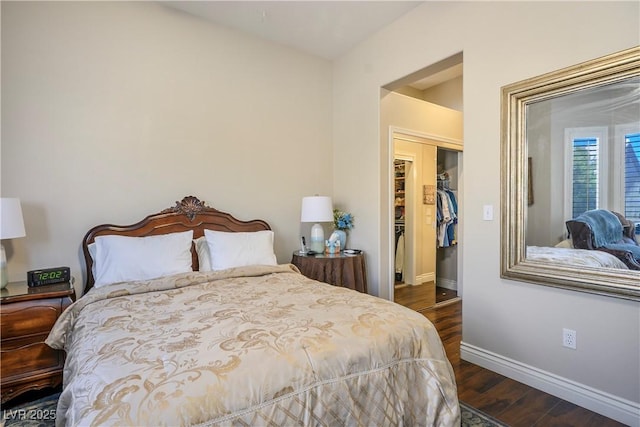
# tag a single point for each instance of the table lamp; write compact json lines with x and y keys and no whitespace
{"x":317,"y":209}
{"x":11,"y":227}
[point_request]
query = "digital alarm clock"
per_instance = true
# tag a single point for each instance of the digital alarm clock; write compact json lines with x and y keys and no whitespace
{"x":48,"y":276}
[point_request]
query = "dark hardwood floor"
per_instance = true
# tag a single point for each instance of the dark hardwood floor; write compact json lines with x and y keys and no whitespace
{"x":509,"y":401}
{"x":419,"y":296}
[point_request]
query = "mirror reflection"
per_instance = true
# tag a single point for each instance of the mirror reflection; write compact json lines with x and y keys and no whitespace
{"x":571,"y":149}
{"x":586,"y":148}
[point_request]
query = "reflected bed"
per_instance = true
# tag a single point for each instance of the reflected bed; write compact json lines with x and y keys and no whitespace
{"x":574,"y":257}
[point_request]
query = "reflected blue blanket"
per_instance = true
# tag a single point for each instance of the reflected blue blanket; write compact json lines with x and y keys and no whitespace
{"x":605,"y":226}
{"x":634,"y":249}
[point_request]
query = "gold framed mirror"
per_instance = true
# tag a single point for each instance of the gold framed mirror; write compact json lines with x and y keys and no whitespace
{"x":545,"y":122}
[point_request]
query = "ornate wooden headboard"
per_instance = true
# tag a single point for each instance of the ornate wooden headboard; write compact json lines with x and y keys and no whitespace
{"x":188,"y":214}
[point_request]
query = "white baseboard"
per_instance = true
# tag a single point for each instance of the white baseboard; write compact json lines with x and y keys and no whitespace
{"x":447,"y":283}
{"x":617,"y":408}
{"x":426,"y":277}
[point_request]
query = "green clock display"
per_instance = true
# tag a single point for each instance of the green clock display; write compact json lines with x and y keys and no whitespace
{"x":48,"y":276}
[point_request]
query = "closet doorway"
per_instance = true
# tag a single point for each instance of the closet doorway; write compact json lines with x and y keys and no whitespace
{"x":426,"y":104}
{"x":425,"y":211}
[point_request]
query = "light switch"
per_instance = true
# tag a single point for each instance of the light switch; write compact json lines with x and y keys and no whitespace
{"x":487,"y":212}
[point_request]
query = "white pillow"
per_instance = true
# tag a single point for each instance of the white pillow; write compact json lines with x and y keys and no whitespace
{"x":123,"y":258}
{"x":202,"y":249}
{"x":227,"y":250}
{"x":566,"y":243}
{"x":92,"y":254}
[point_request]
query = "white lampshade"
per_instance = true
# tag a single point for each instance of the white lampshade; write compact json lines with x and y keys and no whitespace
{"x":11,"y":222}
{"x":317,"y":209}
{"x":11,"y":227}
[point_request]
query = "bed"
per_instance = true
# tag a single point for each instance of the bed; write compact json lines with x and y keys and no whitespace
{"x":574,"y":257}
{"x":249,"y":342}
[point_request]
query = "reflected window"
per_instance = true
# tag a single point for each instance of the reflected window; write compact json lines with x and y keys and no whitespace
{"x":587,"y":182}
{"x":586,"y":161}
{"x":632,"y":177}
{"x":603,"y":174}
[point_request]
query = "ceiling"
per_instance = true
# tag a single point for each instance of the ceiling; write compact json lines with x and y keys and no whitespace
{"x":327,"y":29}
{"x":323,"y":28}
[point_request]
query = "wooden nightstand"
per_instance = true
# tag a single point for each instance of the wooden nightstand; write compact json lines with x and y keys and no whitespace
{"x":26,"y":318}
{"x":341,"y":269}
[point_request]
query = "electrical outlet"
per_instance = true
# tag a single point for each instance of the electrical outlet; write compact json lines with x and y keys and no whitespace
{"x":569,"y":338}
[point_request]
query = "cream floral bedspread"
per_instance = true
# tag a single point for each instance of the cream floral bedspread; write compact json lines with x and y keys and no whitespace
{"x":251,"y":346}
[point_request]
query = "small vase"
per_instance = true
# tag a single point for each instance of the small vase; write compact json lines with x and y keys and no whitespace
{"x":342,"y":236}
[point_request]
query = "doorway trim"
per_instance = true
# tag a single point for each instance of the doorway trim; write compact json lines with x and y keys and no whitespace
{"x":411,"y":135}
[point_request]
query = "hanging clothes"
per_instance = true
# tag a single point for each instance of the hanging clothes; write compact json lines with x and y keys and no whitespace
{"x":447,"y":213}
{"x":451,"y":228}
{"x":399,"y":262}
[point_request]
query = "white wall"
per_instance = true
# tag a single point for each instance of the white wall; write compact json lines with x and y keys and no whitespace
{"x":502,"y":42}
{"x":447,"y":94}
{"x":114,"y":110}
